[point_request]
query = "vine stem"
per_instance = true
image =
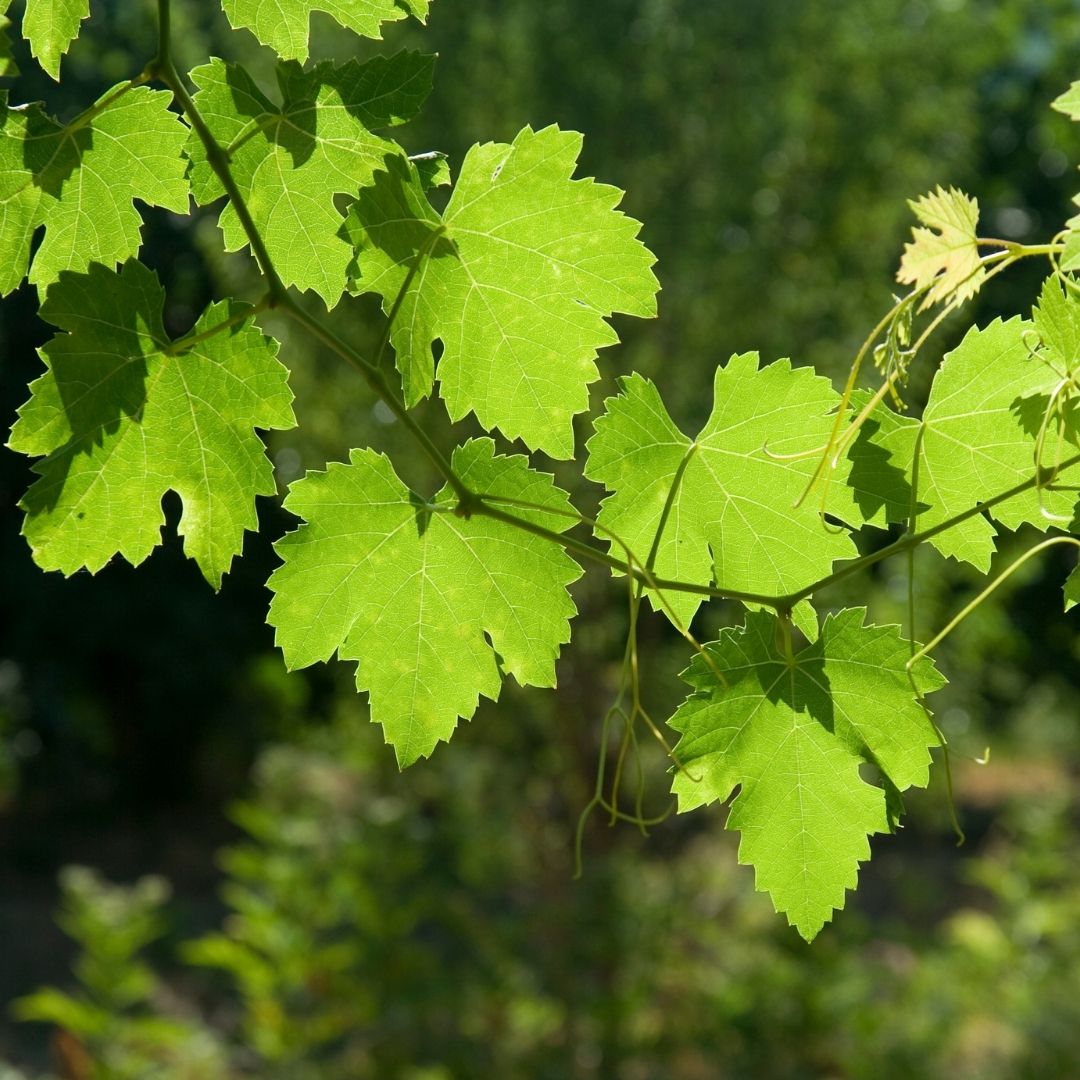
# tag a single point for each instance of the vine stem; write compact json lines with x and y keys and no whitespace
{"x":277,"y":296}
{"x":904,"y":543}
{"x":182,"y":344}
{"x":968,"y":608}
{"x":375,"y":379}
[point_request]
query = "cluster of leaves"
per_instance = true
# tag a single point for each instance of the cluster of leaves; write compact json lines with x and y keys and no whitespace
{"x":502,"y":299}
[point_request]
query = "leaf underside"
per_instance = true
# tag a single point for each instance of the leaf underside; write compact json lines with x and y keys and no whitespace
{"x":121,"y":420}
{"x":283,"y":24}
{"x":792,"y":737}
{"x":79,"y":182}
{"x":292,"y":158}
{"x":424,"y":599}
{"x":516,"y":279}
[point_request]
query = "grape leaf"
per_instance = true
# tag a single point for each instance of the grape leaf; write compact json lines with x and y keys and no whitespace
{"x":290,"y":160}
{"x":1072,"y":589}
{"x":945,"y":253}
{"x":8,"y":67}
{"x":881,"y":457}
{"x":124,"y":416}
{"x":51,"y":26}
{"x":732,"y":520}
{"x":1069,"y":102}
{"x":410,"y":589}
{"x":80,"y":181}
{"x":792,"y":736}
{"x":516,"y":278}
{"x":283,"y":24}
{"x":978,"y":438}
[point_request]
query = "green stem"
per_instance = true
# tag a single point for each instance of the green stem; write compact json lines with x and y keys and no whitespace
{"x":669,"y":502}
{"x":378,"y":383}
{"x":87,"y":115}
{"x":968,"y":608}
{"x":904,"y":543}
{"x":587,"y":551}
{"x":162,"y":67}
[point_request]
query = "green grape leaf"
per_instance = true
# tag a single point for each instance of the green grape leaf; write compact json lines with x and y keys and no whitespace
{"x":516,"y":279}
{"x":433,"y":169}
{"x":1072,"y":589}
{"x":732,"y":520}
{"x":978,"y":439}
{"x":881,"y":455}
{"x":945,"y":253}
{"x":51,"y":26}
{"x":8,"y":67}
{"x":124,"y":415}
{"x":803,"y":617}
{"x":80,"y":181}
{"x":1057,"y":321}
{"x":1070,"y":257}
{"x":291,"y":159}
{"x":283,"y":24}
{"x":1069,"y":102}
{"x":792,"y":735}
{"x":422,"y":598}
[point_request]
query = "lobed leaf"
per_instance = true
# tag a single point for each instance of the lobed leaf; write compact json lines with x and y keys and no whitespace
{"x":944,"y":256}
{"x":291,"y":159}
{"x":283,"y":24}
{"x":791,"y":735}
{"x":123,"y":416}
{"x":978,"y":435}
{"x":424,"y":599}
{"x":732,"y":520}
{"x":50,"y":26}
{"x":515,"y":278}
{"x":1069,"y":102}
{"x":80,"y":181}
{"x":8,"y":67}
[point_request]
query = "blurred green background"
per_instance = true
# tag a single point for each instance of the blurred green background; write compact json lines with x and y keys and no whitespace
{"x":316,"y":914}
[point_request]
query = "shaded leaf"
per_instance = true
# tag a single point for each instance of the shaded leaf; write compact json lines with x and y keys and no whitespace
{"x":123,"y":418}
{"x":80,"y":181}
{"x":290,"y":159}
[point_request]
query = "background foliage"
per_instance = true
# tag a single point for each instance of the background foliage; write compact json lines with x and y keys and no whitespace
{"x":426,"y":924}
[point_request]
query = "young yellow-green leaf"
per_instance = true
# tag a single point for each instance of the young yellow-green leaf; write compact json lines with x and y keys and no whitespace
{"x":8,"y":67}
{"x":291,"y":159}
{"x":283,"y":24}
{"x":732,"y":521}
{"x":51,"y":26}
{"x":124,"y":416}
{"x":979,"y":432}
{"x":945,"y":253}
{"x":516,"y":279}
{"x":791,"y":736}
{"x":80,"y":181}
{"x":422,"y":598}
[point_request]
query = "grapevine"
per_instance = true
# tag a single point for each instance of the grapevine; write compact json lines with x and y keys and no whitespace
{"x":497,"y":306}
